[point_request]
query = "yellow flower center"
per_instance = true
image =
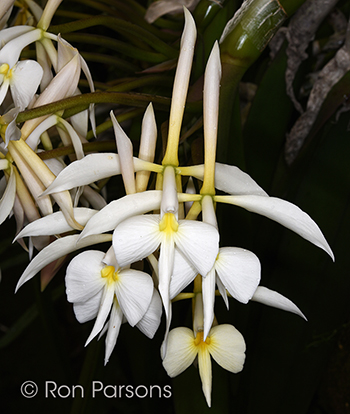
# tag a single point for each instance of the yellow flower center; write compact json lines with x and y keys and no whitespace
{"x":5,"y":69}
{"x":199,"y":340}
{"x":168,"y":223}
{"x":110,"y":273}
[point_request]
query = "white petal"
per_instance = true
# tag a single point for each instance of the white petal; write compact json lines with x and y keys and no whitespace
{"x":181,"y":351}
{"x":79,"y":122}
{"x":134,"y":291}
{"x":119,"y":210}
{"x":63,"y":85}
{"x":17,"y":40}
{"x":136,"y":238}
{"x":76,"y":141}
{"x":34,"y":138}
{"x":150,"y":321}
{"x":125,"y":152}
{"x":227,"y":347}
{"x":228,"y":178}
{"x":204,"y":365}
{"x":94,"y":199}
{"x":12,"y":133}
{"x":165,"y":270}
{"x":55,"y":223}
{"x":285,"y":213}
{"x":55,"y":250}
{"x":183,"y":274}
{"x":8,"y":198}
{"x":239,"y":271}
{"x":3,"y":90}
{"x":105,"y":307}
{"x":276,"y":300}
{"x":89,"y":169}
{"x":208,"y":291}
{"x":199,"y":243}
{"x":11,"y":33}
{"x":180,"y":88}
{"x":23,"y":91}
{"x":147,"y":146}
{"x":222,"y":291}
{"x":114,"y":324}
{"x":85,"y":311}
{"x":83,"y":276}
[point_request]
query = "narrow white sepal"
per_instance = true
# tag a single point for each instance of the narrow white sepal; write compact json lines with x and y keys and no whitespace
{"x":276,"y":300}
{"x":114,"y":325}
{"x":205,"y":372}
{"x":8,"y":197}
{"x":125,"y":152}
{"x":165,"y":270}
{"x":222,"y":291}
{"x":55,"y":223}
{"x":57,"y":249}
{"x":91,"y":168}
{"x":208,"y":291}
{"x":119,"y":210}
{"x":105,"y":307}
{"x":285,"y":213}
{"x":230,"y":179}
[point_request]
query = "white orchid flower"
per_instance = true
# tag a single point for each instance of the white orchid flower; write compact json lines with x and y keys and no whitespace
{"x":139,"y":236}
{"x":94,"y":287}
{"x":224,"y":344}
{"x":16,"y":78}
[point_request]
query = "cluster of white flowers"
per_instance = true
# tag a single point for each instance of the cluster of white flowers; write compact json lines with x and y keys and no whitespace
{"x":144,"y":224}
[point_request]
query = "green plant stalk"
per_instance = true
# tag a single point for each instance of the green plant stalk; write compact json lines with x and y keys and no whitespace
{"x":120,"y":26}
{"x":117,"y":45}
{"x":83,"y":101}
{"x":248,"y":33}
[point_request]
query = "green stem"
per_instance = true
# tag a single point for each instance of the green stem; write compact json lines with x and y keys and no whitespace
{"x":247,"y":36}
{"x":110,"y":61}
{"x":120,"y":26}
{"x":121,"y":47}
{"x":84,"y":100}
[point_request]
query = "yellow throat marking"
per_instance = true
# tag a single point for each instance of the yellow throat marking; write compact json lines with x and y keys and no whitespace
{"x":168,"y":224}
{"x":110,"y":273}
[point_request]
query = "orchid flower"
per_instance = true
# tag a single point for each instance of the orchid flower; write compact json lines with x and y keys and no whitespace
{"x":139,"y":236}
{"x":96,"y":283}
{"x":224,"y":344}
